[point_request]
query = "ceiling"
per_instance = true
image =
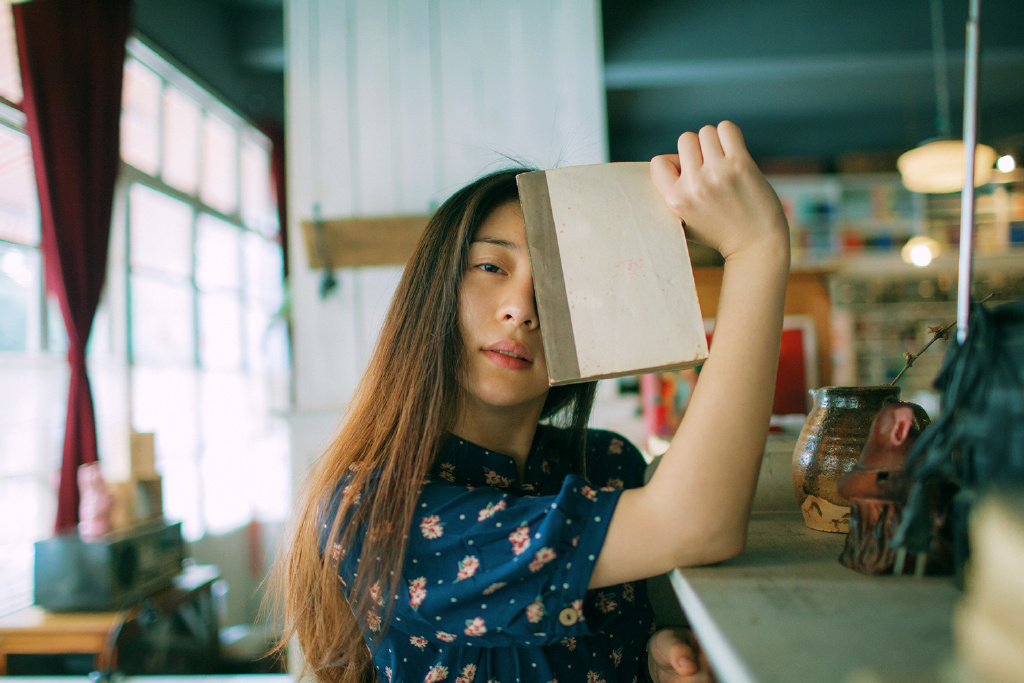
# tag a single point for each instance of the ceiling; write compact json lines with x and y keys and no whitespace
{"x":815,"y":84}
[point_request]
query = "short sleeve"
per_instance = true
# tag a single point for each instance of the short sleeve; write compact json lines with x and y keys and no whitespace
{"x":487,"y":568}
{"x":613,"y":461}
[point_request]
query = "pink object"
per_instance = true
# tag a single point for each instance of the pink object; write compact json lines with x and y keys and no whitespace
{"x":96,"y":502}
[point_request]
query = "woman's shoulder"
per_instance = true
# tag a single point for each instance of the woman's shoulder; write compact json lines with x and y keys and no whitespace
{"x":613,"y":460}
{"x":602,"y":439}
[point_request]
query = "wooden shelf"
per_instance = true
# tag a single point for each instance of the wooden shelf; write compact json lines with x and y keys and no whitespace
{"x":786,"y":611}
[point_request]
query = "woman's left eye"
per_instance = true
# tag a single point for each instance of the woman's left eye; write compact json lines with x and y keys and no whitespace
{"x":490,"y":268}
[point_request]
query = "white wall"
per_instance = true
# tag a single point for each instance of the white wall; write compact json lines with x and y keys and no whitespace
{"x":393,"y":105}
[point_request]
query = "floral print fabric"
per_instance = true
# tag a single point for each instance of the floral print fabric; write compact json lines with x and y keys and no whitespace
{"x":494,"y":587}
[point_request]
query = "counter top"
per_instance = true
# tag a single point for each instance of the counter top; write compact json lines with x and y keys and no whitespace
{"x":786,"y":611}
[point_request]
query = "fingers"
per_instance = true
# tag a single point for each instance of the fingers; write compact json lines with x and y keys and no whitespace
{"x":671,"y":655}
{"x":682,"y":659}
{"x":716,"y":189}
{"x":731,"y":139}
{"x":690,"y":156}
{"x":710,"y":145}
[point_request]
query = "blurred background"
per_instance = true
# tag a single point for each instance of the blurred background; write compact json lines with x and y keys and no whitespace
{"x":230,"y":333}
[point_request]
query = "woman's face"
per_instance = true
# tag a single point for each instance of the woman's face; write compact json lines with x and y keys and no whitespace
{"x":503,"y":358}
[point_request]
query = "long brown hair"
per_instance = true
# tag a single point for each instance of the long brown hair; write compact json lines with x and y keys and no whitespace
{"x":389,"y":437}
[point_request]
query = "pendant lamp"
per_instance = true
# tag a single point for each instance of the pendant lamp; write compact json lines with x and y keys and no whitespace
{"x":937,"y":165}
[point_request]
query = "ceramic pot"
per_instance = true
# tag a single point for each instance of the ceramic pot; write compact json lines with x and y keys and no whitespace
{"x":829,"y":445}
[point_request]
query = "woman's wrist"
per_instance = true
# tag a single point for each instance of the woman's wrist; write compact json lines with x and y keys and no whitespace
{"x":772,"y":248}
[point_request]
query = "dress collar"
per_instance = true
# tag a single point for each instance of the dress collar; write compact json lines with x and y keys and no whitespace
{"x":465,"y":463}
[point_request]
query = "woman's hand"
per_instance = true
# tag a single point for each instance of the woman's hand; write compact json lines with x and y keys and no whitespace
{"x":715,"y":187}
{"x":674,"y":656}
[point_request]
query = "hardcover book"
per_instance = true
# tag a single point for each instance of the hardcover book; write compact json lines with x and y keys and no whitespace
{"x":611,"y":272}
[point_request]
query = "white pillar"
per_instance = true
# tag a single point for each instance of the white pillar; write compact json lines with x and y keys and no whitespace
{"x":392,"y":105}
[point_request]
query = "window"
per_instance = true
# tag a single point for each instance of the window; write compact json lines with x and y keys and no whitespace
{"x":188,"y":343}
{"x":33,"y":373}
{"x":19,"y":241}
{"x":208,"y":351}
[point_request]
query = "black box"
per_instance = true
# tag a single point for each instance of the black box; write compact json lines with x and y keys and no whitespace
{"x":108,"y":574}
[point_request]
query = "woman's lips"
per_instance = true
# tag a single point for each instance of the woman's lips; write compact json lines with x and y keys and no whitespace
{"x":509,"y":354}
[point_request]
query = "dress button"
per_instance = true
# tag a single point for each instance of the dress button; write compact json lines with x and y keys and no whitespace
{"x":568,"y":616}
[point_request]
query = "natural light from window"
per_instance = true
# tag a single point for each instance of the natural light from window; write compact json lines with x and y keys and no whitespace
{"x":190,"y":340}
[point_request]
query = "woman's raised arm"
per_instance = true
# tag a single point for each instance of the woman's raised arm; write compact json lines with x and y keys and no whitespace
{"x":696,"y":507}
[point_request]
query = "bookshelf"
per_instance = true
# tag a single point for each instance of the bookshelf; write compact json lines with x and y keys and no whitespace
{"x":854,"y":215}
{"x":854,"y":225}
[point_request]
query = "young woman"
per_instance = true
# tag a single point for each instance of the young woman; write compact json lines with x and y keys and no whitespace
{"x":451,"y":532}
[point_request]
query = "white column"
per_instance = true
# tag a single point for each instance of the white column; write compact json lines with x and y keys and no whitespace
{"x":392,"y":105}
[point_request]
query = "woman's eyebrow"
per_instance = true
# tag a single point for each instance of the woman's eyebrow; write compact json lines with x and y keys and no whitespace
{"x":496,"y":241}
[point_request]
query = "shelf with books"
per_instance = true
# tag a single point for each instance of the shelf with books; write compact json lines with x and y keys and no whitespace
{"x":998,"y":214}
{"x":844,"y":216}
{"x":882,"y":307}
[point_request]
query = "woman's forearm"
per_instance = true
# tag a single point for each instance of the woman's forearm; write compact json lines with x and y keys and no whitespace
{"x":696,"y":506}
{"x":710,"y":469}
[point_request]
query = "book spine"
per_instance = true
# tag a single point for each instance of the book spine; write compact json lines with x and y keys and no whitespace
{"x":546,"y":261}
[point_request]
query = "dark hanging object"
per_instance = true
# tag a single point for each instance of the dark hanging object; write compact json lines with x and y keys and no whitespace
{"x":328,"y":282}
{"x":977,"y":443}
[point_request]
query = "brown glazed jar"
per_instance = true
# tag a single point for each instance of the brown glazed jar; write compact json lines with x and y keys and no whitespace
{"x":829,"y":445}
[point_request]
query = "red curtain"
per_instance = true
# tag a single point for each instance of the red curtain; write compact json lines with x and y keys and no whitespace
{"x":275,"y":133}
{"x":72,"y":60}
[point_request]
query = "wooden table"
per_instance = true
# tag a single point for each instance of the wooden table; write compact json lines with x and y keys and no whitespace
{"x":33,"y":630}
{"x":786,"y":611}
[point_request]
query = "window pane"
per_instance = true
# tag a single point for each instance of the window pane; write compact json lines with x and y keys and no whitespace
{"x":218,"y":254}
{"x":269,"y":356}
{"x":101,"y":337}
{"x":19,"y":207}
{"x":258,"y":210}
{"x":140,"y":117}
{"x":165,"y":402}
{"x":19,"y":298}
{"x":219,"y":185}
{"x":264,"y":272}
{"x":161,"y":321}
{"x":16,"y":563}
{"x":10,"y":76}
{"x":56,"y":333}
{"x":181,"y":491}
{"x":33,"y":409}
{"x":160,"y":232}
{"x":182,"y":117}
{"x":228,"y":415}
{"x":220,"y":331}
{"x":268,"y":474}
{"x":21,"y":499}
{"x":258,"y":329}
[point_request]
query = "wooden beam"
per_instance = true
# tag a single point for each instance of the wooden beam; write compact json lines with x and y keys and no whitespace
{"x":354,"y":242}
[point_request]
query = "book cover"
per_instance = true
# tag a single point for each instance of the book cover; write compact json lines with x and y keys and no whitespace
{"x":612,"y":274}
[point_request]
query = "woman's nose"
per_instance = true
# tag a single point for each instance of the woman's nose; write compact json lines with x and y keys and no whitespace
{"x":520,"y":304}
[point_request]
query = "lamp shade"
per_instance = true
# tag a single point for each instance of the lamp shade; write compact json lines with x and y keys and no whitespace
{"x":937,"y":167}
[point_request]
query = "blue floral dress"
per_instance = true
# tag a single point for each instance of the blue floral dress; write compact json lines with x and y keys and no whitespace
{"x":494,"y":587}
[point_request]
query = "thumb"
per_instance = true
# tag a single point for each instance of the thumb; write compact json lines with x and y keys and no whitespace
{"x":682,"y":658}
{"x":665,"y":171}
{"x":670,"y":655}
